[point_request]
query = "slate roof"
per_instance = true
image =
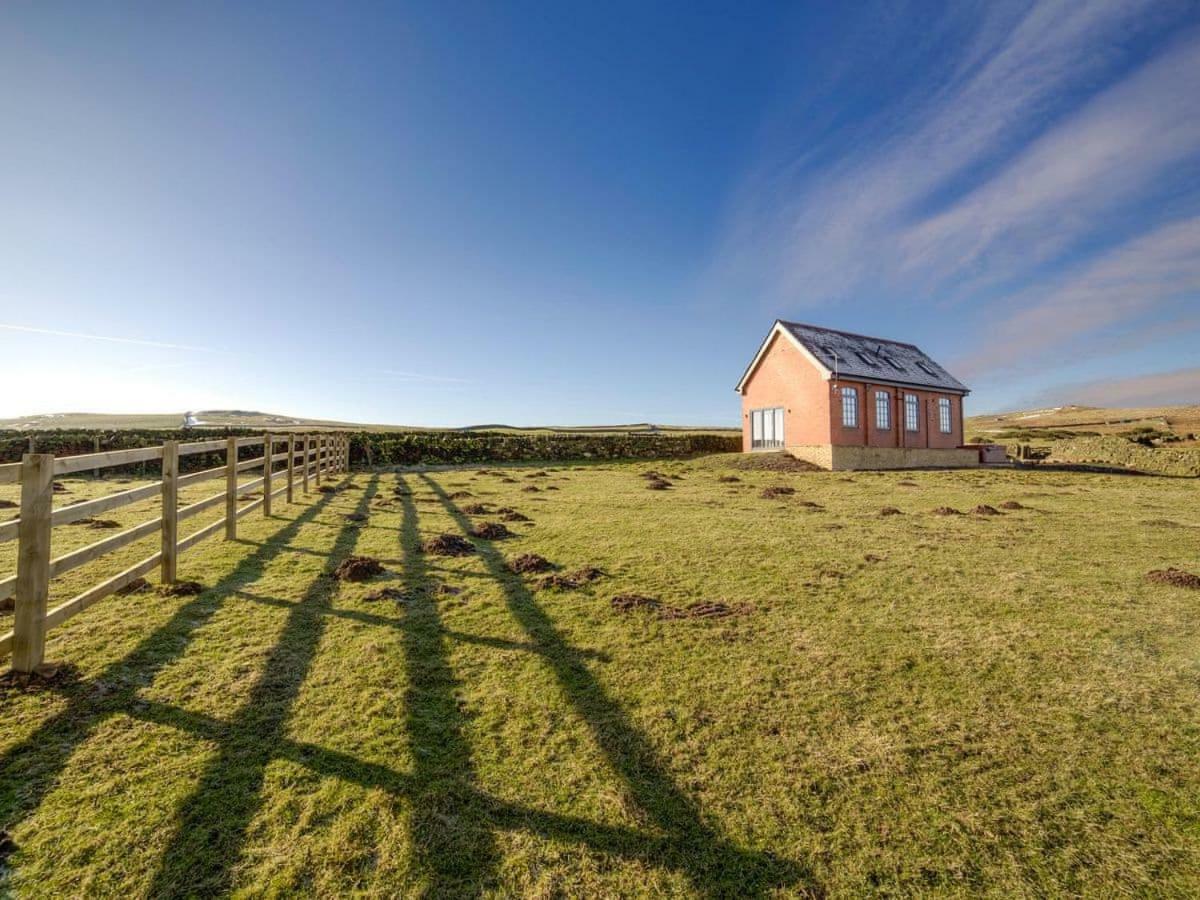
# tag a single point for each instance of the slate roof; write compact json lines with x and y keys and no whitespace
{"x":858,"y":357}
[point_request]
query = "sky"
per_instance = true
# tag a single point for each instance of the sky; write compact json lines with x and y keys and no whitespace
{"x":578,"y":213}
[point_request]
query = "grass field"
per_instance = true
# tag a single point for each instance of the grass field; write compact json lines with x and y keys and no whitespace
{"x":899,"y":704}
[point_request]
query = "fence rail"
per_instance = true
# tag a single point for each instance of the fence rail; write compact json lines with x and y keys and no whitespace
{"x":319,"y":455}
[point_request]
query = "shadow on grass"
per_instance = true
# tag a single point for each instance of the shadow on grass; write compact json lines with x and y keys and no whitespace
{"x":449,"y":830}
{"x":214,"y":819}
{"x":453,"y":821}
{"x":30,"y":769}
{"x":713,"y":865}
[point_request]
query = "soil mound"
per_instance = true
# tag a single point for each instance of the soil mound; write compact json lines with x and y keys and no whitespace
{"x":530,"y":562}
{"x":1175,"y":578}
{"x":629,"y":602}
{"x":774,"y":462}
{"x":727,"y":479}
{"x":946,"y":511}
{"x":448,"y":545}
{"x":181,"y":589}
{"x":890,"y":511}
{"x":537,"y":475}
{"x":387,"y":593}
{"x":779,"y":490}
{"x":327,"y":489}
{"x":476,"y":509}
{"x":703,"y":610}
{"x":511,"y":515}
{"x":461,"y":495}
{"x":907,"y":484}
{"x":571,"y":580}
{"x":531,"y":489}
{"x":355,"y":517}
{"x":490,"y":531}
{"x":657,"y":484}
{"x":1011,"y":504}
{"x":59,"y":488}
{"x":358,"y":568}
{"x":97,"y":523}
{"x":984,"y":510}
{"x":134,"y":587}
{"x":8,"y":504}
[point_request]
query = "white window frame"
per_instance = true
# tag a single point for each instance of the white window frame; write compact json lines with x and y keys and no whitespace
{"x":849,"y":407}
{"x":912,"y":413}
{"x":766,"y":428}
{"x":945,"y":415}
{"x":883,"y":410}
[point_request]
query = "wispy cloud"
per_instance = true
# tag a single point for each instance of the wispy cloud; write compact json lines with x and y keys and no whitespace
{"x":1055,"y":190}
{"x":103,"y":337}
{"x":1115,"y":289}
{"x":421,"y":376}
{"x":822,"y":232}
{"x":1181,"y":386}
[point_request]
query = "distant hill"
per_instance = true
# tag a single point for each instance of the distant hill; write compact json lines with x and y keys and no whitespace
{"x":1060,"y":420}
{"x":210,"y":418}
{"x":237,"y":418}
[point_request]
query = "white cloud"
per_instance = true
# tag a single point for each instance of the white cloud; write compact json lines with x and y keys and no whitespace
{"x":1181,"y":386}
{"x":106,"y":338}
{"x":1052,"y":193}
{"x":421,"y":376}
{"x":1114,"y":289}
{"x":824,"y":233}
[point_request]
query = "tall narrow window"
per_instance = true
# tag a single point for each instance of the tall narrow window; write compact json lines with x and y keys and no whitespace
{"x":883,"y":410}
{"x":850,"y":407}
{"x":912,"y":413}
{"x":944,"y":414}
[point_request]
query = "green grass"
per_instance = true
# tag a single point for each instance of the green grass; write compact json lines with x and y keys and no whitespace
{"x":996,"y":705}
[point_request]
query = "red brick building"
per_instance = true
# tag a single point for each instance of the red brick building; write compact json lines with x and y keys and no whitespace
{"x":847,"y":401}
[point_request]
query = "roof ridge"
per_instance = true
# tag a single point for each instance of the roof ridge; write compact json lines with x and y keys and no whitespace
{"x":865,"y":337}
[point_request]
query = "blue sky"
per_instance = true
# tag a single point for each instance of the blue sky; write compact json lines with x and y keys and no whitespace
{"x":455,"y":213}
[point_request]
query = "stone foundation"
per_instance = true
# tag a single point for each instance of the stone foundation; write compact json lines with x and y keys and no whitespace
{"x":840,"y":459}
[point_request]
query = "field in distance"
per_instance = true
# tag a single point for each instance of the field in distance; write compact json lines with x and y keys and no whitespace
{"x":234,"y":418}
{"x":1180,"y":420}
{"x":710,"y":688}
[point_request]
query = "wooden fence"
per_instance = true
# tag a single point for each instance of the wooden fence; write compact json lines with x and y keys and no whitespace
{"x":319,"y":455}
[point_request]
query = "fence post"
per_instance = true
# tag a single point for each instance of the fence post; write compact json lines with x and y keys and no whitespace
{"x":307,"y":439}
{"x":231,"y":491}
{"x":291,"y":452}
{"x":268,"y":443}
{"x":170,"y":510}
{"x":33,"y":561}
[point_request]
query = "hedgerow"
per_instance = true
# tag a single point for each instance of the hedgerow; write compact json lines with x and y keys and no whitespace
{"x":391,"y":448}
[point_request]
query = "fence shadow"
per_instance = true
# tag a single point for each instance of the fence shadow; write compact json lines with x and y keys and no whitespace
{"x":714,"y":866}
{"x":453,"y":822}
{"x":450,"y":836}
{"x":29,"y":769}
{"x":213,"y":821}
